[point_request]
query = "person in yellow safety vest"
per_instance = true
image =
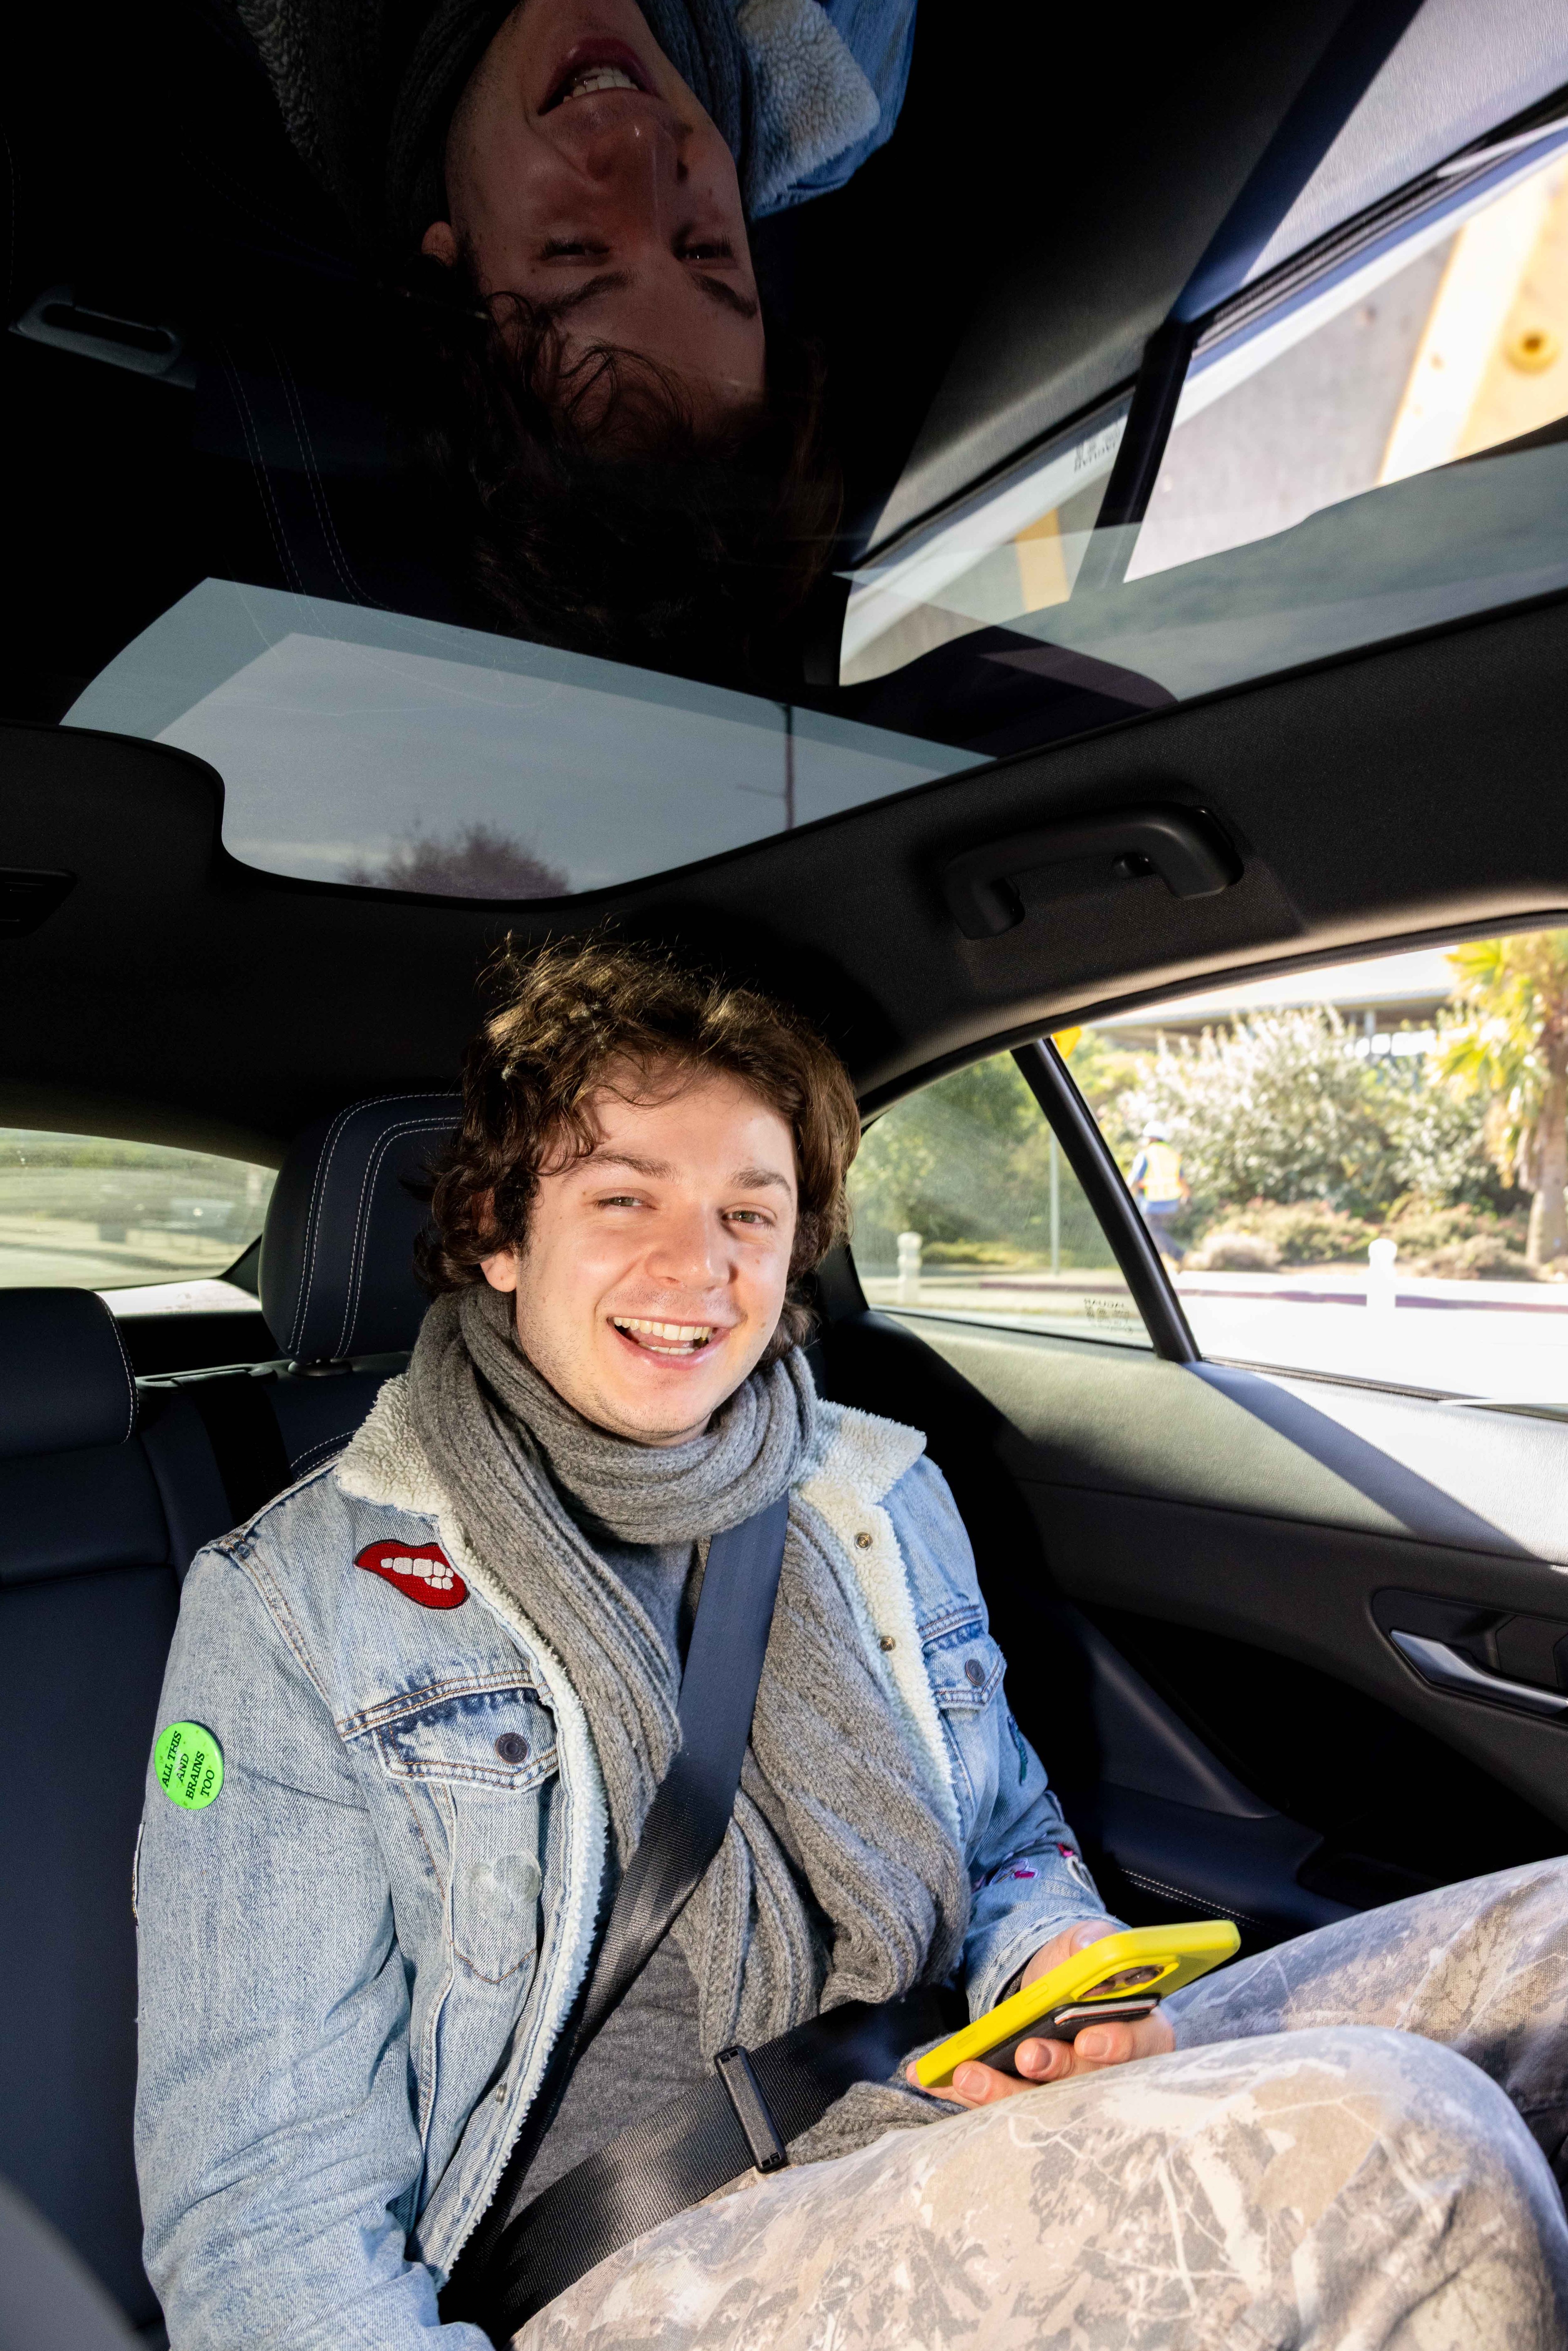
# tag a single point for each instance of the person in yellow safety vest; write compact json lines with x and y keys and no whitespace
{"x":1159,"y":1188}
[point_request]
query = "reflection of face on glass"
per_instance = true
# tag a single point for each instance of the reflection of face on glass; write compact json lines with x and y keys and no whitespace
{"x":581,"y":172}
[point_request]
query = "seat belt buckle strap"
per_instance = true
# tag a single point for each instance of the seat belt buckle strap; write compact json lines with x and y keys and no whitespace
{"x":752,"y":2112}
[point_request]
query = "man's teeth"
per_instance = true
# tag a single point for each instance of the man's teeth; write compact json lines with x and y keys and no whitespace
{"x":593,"y":79}
{"x":677,"y":1338}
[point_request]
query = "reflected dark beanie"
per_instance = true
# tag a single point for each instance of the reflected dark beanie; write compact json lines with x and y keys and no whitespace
{"x":368,"y":88}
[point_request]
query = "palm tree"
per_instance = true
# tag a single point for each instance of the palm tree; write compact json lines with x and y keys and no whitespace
{"x":1513,"y":1045}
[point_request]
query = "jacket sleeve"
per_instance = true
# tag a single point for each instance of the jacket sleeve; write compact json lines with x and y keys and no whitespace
{"x":276,"y":2137}
{"x":879,"y":35}
{"x":1028,"y":1879}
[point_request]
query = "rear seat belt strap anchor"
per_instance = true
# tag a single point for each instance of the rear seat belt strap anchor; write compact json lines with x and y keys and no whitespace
{"x":752,"y":2112}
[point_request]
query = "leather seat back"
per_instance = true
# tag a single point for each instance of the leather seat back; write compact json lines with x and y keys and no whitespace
{"x":336,"y":1254}
{"x":96,"y":1523}
{"x":105,"y":1497}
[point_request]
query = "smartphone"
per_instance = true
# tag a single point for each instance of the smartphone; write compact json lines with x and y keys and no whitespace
{"x":1122,"y":1976}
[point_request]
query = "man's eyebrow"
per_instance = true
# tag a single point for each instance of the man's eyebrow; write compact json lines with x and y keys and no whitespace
{"x":601,"y":1157}
{"x":615,"y":281}
{"x":757,"y":1179}
{"x":729,"y":298}
{"x":609,"y":281}
{"x":745,"y":1179}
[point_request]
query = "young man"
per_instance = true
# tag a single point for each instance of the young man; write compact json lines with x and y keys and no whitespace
{"x":442,"y":1675}
{"x":598,"y":153}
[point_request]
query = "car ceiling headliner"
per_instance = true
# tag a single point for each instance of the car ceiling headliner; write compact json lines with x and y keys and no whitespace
{"x":177,"y":996}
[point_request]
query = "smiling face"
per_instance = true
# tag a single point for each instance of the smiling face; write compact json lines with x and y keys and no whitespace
{"x":580,"y":170}
{"x":654,"y":1268}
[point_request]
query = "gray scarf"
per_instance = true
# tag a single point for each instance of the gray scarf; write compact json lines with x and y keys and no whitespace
{"x":367,"y":89}
{"x":829,"y":1795}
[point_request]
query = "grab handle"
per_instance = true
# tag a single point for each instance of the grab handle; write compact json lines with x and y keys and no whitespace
{"x":1185,"y":848}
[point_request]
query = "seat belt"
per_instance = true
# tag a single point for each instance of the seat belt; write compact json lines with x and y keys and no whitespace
{"x":741,"y":2118}
{"x":689,"y":1814}
{"x":684,"y":1829}
{"x":523,"y":2253}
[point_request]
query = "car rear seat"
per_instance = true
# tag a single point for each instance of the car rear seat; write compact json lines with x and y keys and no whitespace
{"x":107,"y":1489}
{"x":338,"y":1290}
{"x":95,"y":1522}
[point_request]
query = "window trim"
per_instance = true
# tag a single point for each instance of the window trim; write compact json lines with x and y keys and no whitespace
{"x":1091,"y":1158}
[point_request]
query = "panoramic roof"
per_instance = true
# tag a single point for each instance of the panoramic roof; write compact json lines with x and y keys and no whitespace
{"x":520,"y":568}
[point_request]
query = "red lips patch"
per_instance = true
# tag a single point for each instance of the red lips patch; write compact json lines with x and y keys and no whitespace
{"x":421,"y":1571}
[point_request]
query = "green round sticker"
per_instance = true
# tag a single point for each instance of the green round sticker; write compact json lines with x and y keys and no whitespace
{"x":190,"y":1765}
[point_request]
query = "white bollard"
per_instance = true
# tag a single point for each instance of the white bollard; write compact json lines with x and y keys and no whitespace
{"x":909,"y":1268}
{"x":1379,"y":1257}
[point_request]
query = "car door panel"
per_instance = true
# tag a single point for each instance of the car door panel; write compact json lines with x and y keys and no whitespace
{"x":1184,"y":1543}
{"x":1153,"y":1498}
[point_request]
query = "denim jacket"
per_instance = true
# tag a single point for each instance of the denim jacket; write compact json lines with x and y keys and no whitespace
{"x":830,"y":77}
{"x":356,"y":1956}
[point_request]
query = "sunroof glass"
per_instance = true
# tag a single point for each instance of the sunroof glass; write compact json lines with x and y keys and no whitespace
{"x":370,"y":747}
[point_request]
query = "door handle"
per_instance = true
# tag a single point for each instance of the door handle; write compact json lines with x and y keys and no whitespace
{"x":1450,"y":1669}
{"x":1186,"y":849}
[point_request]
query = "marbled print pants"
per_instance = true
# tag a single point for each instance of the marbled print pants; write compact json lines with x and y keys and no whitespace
{"x":1353,"y":2147}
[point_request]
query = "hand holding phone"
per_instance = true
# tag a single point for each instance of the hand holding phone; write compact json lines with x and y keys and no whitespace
{"x":1120,"y":1977}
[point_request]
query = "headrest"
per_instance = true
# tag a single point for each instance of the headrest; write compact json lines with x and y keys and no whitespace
{"x":337,"y":1254}
{"x":65,"y":1378}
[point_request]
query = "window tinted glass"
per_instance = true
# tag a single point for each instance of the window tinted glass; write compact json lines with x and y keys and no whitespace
{"x":333,"y":728}
{"x":86,"y":1213}
{"x":1016,"y":549}
{"x":963,"y":1205}
{"x":1371,"y":442}
{"x":462,"y":588}
{"x":1361,"y":1170}
{"x":1433,"y":346}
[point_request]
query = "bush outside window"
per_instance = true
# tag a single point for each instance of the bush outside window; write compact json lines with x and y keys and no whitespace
{"x":1373,"y":1160}
{"x":964,"y":1205}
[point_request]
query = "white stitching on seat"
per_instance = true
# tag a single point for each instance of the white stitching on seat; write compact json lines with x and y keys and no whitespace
{"x":129,"y":1374}
{"x":333,"y":1136}
{"x":1194,"y":1901}
{"x":383,"y":1143}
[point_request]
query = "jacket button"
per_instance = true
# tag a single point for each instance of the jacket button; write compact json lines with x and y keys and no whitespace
{"x":887,"y":1641}
{"x":974,"y":1674}
{"x":512,"y":1747}
{"x":864,"y":1541}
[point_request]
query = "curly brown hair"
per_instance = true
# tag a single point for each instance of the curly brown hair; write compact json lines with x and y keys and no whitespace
{"x":570,"y":1018}
{"x":576,"y":502}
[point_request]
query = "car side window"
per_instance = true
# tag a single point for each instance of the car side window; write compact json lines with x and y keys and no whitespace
{"x":963,"y":1206}
{"x":156,"y":1226}
{"x":1360,"y":1170}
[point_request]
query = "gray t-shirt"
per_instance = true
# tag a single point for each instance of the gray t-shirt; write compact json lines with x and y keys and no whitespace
{"x":646,"y":2051}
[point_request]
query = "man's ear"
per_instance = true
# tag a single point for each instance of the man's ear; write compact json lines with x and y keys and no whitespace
{"x":501,"y":1271}
{"x":439,"y":243}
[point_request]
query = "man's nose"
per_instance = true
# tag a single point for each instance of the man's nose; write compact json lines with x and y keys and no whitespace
{"x":688,"y":1252}
{"x":636,"y":154}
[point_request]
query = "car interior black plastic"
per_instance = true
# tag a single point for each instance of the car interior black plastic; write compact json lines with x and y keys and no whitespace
{"x":1088,"y":1154}
{"x":984,"y":888}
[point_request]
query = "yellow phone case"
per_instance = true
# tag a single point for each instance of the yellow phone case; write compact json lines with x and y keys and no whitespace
{"x":1121,"y":1973}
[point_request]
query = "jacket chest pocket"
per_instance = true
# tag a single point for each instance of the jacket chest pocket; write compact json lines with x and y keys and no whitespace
{"x":480,"y":1767}
{"x":966,"y":1668}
